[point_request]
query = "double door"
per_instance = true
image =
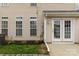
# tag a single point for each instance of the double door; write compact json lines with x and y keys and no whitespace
{"x":62,"y":29}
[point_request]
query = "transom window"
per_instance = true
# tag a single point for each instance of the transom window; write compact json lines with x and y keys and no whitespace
{"x":33,"y":26}
{"x":4,"y":17}
{"x":18,"y":17}
{"x":32,"y":17}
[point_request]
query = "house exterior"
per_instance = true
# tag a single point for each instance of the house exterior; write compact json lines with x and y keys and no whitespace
{"x":40,"y":21}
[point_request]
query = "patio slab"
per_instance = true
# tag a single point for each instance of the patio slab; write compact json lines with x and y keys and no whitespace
{"x":64,"y":49}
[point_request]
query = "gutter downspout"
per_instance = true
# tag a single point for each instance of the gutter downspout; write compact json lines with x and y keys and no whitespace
{"x":45,"y":35}
{"x":47,"y":46}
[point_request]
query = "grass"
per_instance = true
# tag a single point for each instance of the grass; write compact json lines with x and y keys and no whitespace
{"x":23,"y":49}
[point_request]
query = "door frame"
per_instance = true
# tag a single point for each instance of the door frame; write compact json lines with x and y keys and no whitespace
{"x":57,"y":39}
{"x":73,"y":27}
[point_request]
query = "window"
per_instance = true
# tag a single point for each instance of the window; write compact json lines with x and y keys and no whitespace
{"x":34,"y":4}
{"x":18,"y":26}
{"x":33,"y":26}
{"x":4,"y":4}
{"x":4,"y":25}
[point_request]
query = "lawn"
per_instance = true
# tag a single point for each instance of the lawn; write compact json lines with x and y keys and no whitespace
{"x":23,"y":49}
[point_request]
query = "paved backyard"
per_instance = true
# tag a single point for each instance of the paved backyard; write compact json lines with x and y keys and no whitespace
{"x":64,"y":49}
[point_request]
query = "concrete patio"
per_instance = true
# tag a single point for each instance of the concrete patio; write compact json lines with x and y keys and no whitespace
{"x":64,"y":49}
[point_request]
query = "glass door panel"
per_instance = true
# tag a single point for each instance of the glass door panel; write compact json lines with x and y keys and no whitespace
{"x":57,"y":29}
{"x":67,"y":27}
{"x":67,"y":30}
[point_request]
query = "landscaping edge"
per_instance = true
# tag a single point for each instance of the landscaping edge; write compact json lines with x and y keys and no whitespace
{"x":24,"y":54}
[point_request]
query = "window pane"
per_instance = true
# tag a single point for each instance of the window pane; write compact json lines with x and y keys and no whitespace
{"x":5,"y":31}
{"x":18,"y":32}
{"x":33,"y":24}
{"x":4,"y":24}
{"x":33,"y":32}
{"x":19,"y":24}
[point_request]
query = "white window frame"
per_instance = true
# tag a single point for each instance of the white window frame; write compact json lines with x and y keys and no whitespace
{"x":33,"y":28}
{"x":19,"y":19}
{"x":2,"y":24}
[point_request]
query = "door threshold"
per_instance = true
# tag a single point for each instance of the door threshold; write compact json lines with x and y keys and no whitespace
{"x":62,"y":42}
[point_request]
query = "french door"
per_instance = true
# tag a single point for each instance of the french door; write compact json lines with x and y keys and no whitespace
{"x":62,"y":29}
